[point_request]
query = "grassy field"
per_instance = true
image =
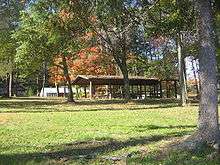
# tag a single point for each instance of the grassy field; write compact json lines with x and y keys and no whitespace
{"x":42,"y":131}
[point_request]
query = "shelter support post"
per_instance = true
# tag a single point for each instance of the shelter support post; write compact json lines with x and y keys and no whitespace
{"x":110,"y":91}
{"x":77,"y":92}
{"x":151,"y":92}
{"x":175,"y":85}
{"x":145,"y":91}
{"x":154,"y":91}
{"x":91,"y":90}
{"x":158,"y":88}
{"x":132,"y":90}
{"x":161,"y":89}
{"x":167,"y":89}
{"x":85,"y":93}
{"x":140,"y":91}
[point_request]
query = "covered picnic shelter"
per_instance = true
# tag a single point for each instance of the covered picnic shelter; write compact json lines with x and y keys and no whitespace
{"x":140,"y":87}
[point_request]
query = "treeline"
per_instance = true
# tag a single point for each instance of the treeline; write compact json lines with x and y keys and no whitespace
{"x":54,"y":41}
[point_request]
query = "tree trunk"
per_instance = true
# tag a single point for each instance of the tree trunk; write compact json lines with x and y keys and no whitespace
{"x":208,"y":128}
{"x":16,"y":84}
{"x":199,"y":83}
{"x":77,"y":92}
{"x":122,"y":64}
{"x":67,"y":76}
{"x":64,"y":91}
{"x":195,"y":77}
{"x":185,"y":78}
{"x":10,"y":85}
{"x":182,"y":79}
{"x":126,"y":81}
{"x":38,"y":86}
{"x":58,"y":91}
{"x":44,"y":81}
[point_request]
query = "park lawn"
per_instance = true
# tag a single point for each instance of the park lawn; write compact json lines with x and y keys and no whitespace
{"x":43,"y":131}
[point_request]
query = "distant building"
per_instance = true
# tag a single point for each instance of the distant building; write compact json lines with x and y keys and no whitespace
{"x":52,"y":92}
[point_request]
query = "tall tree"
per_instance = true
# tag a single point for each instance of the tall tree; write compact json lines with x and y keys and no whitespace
{"x":172,"y":19}
{"x":50,"y":29}
{"x":113,"y":24}
{"x":181,"y":67}
{"x":208,"y":128}
{"x":9,"y":17}
{"x":34,"y":52}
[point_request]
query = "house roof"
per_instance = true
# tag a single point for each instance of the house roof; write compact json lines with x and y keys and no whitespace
{"x":113,"y":80}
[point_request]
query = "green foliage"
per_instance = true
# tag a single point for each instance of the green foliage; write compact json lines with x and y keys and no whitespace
{"x":47,"y":29}
{"x":7,"y":53}
{"x":33,"y":48}
{"x":114,"y":26}
{"x":167,"y":17}
{"x":9,"y":15}
{"x":30,"y":92}
{"x":138,"y":66}
{"x":5,"y":69}
{"x":164,"y":69}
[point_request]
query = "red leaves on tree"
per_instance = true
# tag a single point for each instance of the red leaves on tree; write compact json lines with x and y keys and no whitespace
{"x":89,"y":61}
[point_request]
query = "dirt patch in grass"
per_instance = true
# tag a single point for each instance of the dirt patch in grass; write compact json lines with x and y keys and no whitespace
{"x":4,"y":119}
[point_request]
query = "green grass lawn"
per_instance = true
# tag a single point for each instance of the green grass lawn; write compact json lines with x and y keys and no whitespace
{"x":42,"y":131}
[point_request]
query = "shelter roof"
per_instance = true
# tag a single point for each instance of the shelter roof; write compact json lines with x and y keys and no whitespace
{"x":113,"y":80}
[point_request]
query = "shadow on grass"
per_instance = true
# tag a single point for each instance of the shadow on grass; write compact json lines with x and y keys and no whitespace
{"x":20,"y":104}
{"x":147,"y":101}
{"x":30,"y":102}
{"x":202,"y":156}
{"x":33,"y":108}
{"x":38,"y":105}
{"x":89,"y":150}
{"x":143,"y":128}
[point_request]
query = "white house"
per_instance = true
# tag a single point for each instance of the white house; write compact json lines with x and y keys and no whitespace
{"x":52,"y":92}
